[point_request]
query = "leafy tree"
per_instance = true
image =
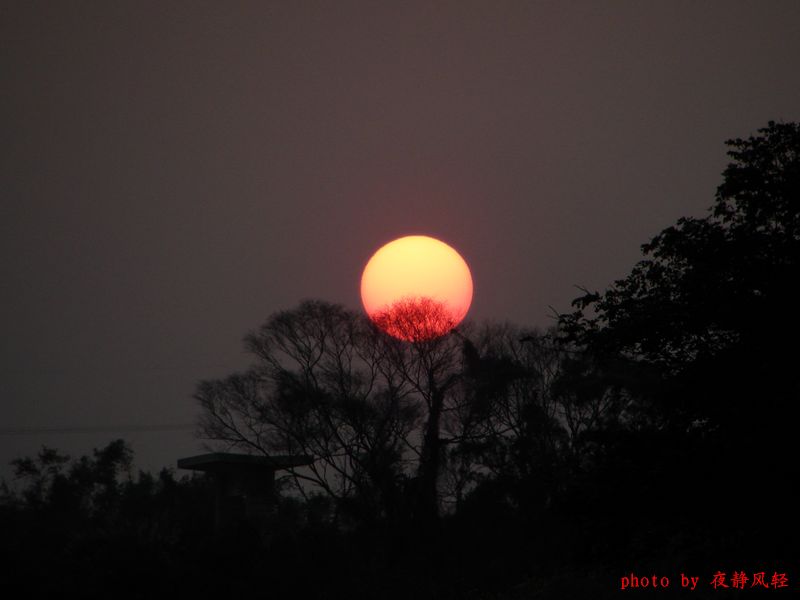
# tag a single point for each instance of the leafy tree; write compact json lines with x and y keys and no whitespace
{"x":39,"y":473}
{"x":511,"y":426}
{"x":714,"y":294}
{"x":86,"y":488}
{"x":700,"y":337}
{"x":88,"y":524}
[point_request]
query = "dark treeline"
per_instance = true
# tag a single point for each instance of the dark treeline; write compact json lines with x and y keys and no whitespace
{"x":650,"y":431}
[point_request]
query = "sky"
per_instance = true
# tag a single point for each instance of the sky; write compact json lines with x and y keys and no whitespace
{"x":172,"y":173}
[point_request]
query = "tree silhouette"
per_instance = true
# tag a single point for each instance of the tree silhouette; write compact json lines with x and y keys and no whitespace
{"x":396,"y":427}
{"x":89,"y":524}
{"x":319,"y":387}
{"x":328,"y":383}
{"x":652,"y":430}
{"x":717,"y":290}
{"x":416,"y":319}
{"x":700,"y":334}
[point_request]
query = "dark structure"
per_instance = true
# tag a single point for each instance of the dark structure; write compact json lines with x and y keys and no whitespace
{"x":244,"y":483}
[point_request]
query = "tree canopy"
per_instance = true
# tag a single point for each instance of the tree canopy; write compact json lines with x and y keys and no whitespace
{"x":711,"y":305}
{"x":700,"y":335}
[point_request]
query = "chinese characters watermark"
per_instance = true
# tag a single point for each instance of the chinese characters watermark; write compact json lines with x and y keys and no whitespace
{"x":739,"y":580}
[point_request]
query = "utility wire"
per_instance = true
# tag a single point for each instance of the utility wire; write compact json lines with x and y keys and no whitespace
{"x":97,"y":429}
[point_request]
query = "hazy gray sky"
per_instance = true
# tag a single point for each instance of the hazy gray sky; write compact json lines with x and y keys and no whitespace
{"x":174,"y":172}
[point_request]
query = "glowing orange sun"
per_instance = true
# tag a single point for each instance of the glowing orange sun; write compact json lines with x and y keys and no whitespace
{"x":416,"y":288}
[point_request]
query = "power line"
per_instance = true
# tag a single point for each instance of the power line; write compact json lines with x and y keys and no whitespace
{"x":97,"y":429}
{"x":114,"y":368}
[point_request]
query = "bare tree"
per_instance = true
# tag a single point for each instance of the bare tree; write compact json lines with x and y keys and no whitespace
{"x":400,"y":421}
{"x":416,"y":319}
{"x":320,"y":386}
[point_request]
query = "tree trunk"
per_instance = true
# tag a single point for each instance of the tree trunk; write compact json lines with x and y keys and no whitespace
{"x":427,"y":501}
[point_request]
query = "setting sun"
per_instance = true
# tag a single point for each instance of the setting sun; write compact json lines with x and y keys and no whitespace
{"x":416,"y":288}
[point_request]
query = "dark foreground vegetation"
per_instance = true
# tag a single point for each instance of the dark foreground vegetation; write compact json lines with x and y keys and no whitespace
{"x":651,"y":432}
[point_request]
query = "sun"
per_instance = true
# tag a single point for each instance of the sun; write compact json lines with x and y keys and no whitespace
{"x":416,"y":288}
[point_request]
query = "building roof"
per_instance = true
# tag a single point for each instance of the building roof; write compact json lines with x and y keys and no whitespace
{"x":223,"y":461}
